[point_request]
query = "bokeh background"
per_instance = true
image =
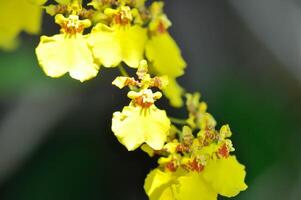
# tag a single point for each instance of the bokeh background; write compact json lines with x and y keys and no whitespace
{"x":243,"y":56}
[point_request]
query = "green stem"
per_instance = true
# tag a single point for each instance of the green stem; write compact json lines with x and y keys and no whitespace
{"x":123,"y":72}
{"x":179,"y":133}
{"x":178,"y":121}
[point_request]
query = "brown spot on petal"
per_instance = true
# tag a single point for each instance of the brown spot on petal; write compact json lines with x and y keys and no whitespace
{"x":195,"y":166}
{"x":171,"y":166}
{"x":161,"y":28}
{"x":223,"y":151}
{"x":118,"y":19}
{"x":182,"y":148}
{"x":139,"y":101}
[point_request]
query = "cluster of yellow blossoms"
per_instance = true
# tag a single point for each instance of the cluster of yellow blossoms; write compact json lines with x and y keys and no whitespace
{"x":107,"y":33}
{"x":195,"y":160}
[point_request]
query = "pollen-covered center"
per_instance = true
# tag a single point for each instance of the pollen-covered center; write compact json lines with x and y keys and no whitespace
{"x":124,"y":16}
{"x":72,"y":25}
{"x":145,"y":98}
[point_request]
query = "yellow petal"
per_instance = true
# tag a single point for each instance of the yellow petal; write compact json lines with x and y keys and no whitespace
{"x":37,"y":2}
{"x":106,"y":46}
{"x":154,"y":180}
{"x":59,"y":54}
{"x":135,"y":125}
{"x":16,"y":16}
{"x":133,"y":42}
{"x":8,"y":39}
{"x":28,"y":15}
{"x":111,"y":46}
{"x":166,"y":194}
{"x":160,"y":185}
{"x":64,"y":2}
{"x":165,"y":55}
{"x":193,"y":187}
{"x":226,"y":175}
{"x":173,"y":91}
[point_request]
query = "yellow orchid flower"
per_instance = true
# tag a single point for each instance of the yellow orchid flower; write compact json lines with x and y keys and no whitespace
{"x":17,"y":16}
{"x":68,"y":51}
{"x":120,"y":42}
{"x":164,"y":54}
{"x":161,"y":49}
{"x":141,"y":122}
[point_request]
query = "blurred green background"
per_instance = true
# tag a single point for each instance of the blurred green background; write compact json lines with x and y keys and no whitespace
{"x":55,"y":137}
